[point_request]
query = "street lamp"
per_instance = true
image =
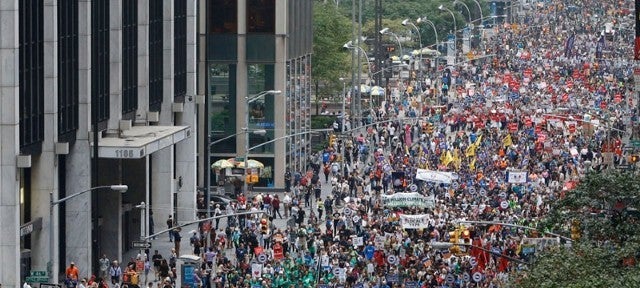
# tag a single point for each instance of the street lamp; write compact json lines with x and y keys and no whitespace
{"x":465,"y":6}
{"x":455,"y":29}
{"x":479,"y":9}
{"x":344,"y":116}
{"x":386,"y":31}
{"x":435,"y":31}
{"x":349,"y":45}
{"x":249,"y":100}
{"x":406,"y":22}
{"x":53,"y":240}
{"x":455,"y":25}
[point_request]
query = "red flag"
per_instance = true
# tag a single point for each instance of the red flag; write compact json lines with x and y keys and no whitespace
{"x":503,"y":262}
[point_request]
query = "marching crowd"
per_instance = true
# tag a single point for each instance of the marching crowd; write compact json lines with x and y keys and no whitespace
{"x":515,"y":132}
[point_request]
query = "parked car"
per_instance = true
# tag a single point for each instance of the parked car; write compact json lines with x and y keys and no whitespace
{"x":223,"y":200}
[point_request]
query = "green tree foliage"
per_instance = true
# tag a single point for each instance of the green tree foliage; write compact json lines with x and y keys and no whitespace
{"x":603,"y":212}
{"x":332,"y":29}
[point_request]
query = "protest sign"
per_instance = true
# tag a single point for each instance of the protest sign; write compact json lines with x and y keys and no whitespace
{"x":414,"y":221}
{"x":434,"y":176}
{"x":408,"y":200}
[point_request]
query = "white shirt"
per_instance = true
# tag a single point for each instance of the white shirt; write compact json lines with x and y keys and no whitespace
{"x":286,"y":199}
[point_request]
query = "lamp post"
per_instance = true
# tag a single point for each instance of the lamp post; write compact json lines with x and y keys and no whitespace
{"x":249,"y":100}
{"x":386,"y":31}
{"x":455,"y":25}
{"x":349,"y":45}
{"x":406,"y":22}
{"x":53,"y":240}
{"x":435,"y":31}
{"x":479,"y":9}
{"x":455,"y":29}
{"x":465,"y":6}
{"x":343,"y":117}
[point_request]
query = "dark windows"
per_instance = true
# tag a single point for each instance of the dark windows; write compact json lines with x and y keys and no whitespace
{"x":155,"y":55}
{"x":222,"y":16}
{"x":100,"y":62}
{"x":67,"y":70}
{"x":129,"y":59}
{"x":180,"y":46}
{"x":31,"y":74}
{"x":261,"y":16}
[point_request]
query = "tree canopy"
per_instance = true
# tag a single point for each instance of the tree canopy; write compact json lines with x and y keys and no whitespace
{"x":332,"y":29}
{"x":602,"y":215}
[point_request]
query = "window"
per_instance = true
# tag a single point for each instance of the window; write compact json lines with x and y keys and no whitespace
{"x":155,"y":55}
{"x":222,"y":106}
{"x":222,"y":16}
{"x":261,"y":16}
{"x":129,"y":59}
{"x":180,"y":46}
{"x":261,"y":111}
{"x":67,"y":70}
{"x":31,"y":76}
{"x":100,"y":62}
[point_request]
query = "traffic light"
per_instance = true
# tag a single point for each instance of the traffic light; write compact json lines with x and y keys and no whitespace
{"x":264,"y":228}
{"x":454,"y":238}
{"x":634,"y":158}
{"x":575,"y":230}
{"x":332,"y":140}
{"x":466,"y":236}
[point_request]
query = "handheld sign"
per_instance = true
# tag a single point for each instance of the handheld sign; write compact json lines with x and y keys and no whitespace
{"x":473,"y":261}
{"x":504,"y":204}
{"x":392,"y":259}
{"x":413,"y":187}
{"x":262,"y":258}
{"x":472,"y":190}
{"x":450,"y":279}
{"x":477,"y":277}
{"x":466,"y":277}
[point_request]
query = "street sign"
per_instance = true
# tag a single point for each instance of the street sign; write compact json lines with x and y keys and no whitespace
{"x":635,"y":143}
{"x":39,"y":273}
{"x":36,"y":279}
{"x":239,"y":159}
{"x":141,"y":244}
{"x":623,"y":166}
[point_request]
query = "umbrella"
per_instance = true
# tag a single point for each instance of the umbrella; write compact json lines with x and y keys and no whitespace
{"x":425,"y":51}
{"x":377,"y":91}
{"x":251,"y":164}
{"x":222,"y":164}
{"x":363,"y":88}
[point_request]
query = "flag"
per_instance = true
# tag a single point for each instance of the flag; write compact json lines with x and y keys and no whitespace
{"x":568,"y":47}
{"x":447,"y":159}
{"x":600,"y":47}
{"x":472,"y":165}
{"x":456,"y":159}
{"x":506,"y":142}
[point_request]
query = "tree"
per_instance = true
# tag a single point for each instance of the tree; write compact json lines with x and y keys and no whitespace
{"x":602,"y":216}
{"x":330,"y":60}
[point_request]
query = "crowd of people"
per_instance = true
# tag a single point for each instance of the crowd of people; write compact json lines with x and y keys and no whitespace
{"x":509,"y":133}
{"x":436,"y":191}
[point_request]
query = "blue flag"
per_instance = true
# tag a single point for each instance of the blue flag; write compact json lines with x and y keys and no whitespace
{"x":599,"y":47}
{"x":569,"y":45}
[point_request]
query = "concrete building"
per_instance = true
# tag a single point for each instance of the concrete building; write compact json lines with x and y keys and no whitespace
{"x":247,"y":47}
{"x":122,"y":70}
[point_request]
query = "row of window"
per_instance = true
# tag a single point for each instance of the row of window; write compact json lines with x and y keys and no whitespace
{"x":31,"y":65}
{"x":222,"y":16}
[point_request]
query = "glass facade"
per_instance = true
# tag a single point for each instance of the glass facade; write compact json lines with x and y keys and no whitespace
{"x":226,"y":89}
{"x":298,"y":112}
{"x":261,"y":111}
{"x":222,"y":106}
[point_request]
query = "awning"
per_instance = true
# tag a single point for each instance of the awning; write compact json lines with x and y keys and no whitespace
{"x":140,"y":141}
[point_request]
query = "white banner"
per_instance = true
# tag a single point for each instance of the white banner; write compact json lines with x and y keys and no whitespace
{"x":256,"y":270}
{"x":517,"y":177}
{"x":408,"y":200}
{"x":414,"y":221}
{"x":434,"y":176}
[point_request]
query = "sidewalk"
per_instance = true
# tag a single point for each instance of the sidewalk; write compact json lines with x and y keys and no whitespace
{"x":162,"y":244}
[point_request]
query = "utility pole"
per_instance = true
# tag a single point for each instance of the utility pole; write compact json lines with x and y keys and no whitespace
{"x":378,"y":42}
